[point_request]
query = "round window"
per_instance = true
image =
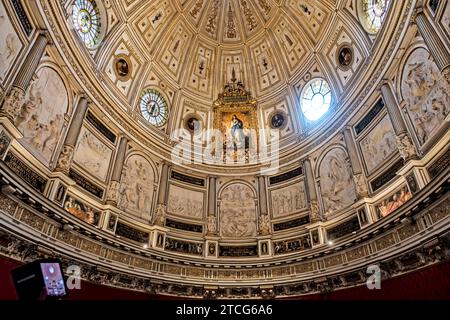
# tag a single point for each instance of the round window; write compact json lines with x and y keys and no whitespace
{"x":316,"y":99}
{"x":154,"y":107}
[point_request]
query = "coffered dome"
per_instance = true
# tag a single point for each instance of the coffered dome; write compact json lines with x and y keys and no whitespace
{"x":228,"y":148}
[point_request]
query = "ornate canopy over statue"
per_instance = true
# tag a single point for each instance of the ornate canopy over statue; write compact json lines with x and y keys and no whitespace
{"x":235,"y":117}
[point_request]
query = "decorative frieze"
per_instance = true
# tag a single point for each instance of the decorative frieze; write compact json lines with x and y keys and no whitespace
{"x":187,"y":179}
{"x":238,"y":251}
{"x":343,"y":229}
{"x":104,"y":130}
{"x":86,"y":185}
{"x":286,"y":176}
{"x":25,"y":173}
{"x":291,"y":223}
{"x":126,"y":231}
{"x":387,"y":176}
{"x":170,"y":223}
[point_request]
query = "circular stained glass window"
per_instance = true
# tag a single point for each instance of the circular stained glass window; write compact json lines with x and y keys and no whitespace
{"x":373,"y":13}
{"x":86,"y":20}
{"x":154,"y":108}
{"x":316,"y":99}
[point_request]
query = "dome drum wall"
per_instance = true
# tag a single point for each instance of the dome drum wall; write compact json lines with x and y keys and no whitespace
{"x":355,"y":154}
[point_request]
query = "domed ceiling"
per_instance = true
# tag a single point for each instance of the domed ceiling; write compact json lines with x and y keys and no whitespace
{"x":190,"y":49}
{"x":197,"y":44}
{"x":193,"y":46}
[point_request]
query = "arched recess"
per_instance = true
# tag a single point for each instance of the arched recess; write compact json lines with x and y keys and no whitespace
{"x":44,"y":113}
{"x":425,"y":92}
{"x":137,"y":191}
{"x":336,"y":185}
{"x":237,"y":210}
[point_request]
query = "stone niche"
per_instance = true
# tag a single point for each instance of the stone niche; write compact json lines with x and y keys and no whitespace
{"x":426,"y":93}
{"x":136,"y":191}
{"x":336,"y":181}
{"x":237,"y":211}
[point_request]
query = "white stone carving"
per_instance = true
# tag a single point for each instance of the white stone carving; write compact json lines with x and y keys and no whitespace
{"x":237,"y":212}
{"x":264,"y":225}
{"x":10,"y":44}
{"x":336,"y":181}
{"x":379,"y":144}
{"x":160,"y":215}
{"x":12,"y":103}
{"x":41,"y":115}
{"x":137,"y":187}
{"x":361,"y":185}
{"x":315,"y":211}
{"x":185,"y":202}
{"x":427,"y":94}
{"x":65,"y":159}
{"x":445,"y":20}
{"x":405,"y":147}
{"x":212,"y":225}
{"x":113,"y":192}
{"x":92,"y":154}
{"x":289,"y":200}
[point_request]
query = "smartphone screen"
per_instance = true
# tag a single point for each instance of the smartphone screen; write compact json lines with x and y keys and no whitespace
{"x":53,"y":279}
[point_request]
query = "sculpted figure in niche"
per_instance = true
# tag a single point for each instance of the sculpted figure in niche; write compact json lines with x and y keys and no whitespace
{"x":426,"y":92}
{"x":336,"y":181}
{"x":237,"y":212}
{"x":136,"y":187}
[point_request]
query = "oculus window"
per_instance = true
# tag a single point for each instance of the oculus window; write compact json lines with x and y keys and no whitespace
{"x":87,"y":22}
{"x":154,"y":107}
{"x":372,"y":14}
{"x":316,"y":99}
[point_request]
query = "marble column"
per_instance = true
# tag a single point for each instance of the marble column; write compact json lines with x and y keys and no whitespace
{"x":404,"y":143}
{"x":161,"y":207}
{"x":264,"y":220}
{"x":13,"y":101}
{"x":262,"y":186}
{"x":311,"y":191}
{"x":358,"y":176}
{"x":438,"y":49}
{"x":113,"y":192}
{"x":66,"y":157}
{"x":212,"y":206}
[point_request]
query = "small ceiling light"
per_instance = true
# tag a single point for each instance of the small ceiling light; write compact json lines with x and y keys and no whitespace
{"x":145,"y":246}
{"x":330,"y":243}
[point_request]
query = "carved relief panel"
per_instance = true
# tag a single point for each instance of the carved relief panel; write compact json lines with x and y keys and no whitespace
{"x":136,"y":191}
{"x":445,"y":20}
{"x":237,"y":211}
{"x":10,"y":44}
{"x":289,"y":200}
{"x":336,"y":181}
{"x":41,"y":116}
{"x":426,"y":93}
{"x":93,"y":155}
{"x":379,"y":144}
{"x":185,"y":202}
